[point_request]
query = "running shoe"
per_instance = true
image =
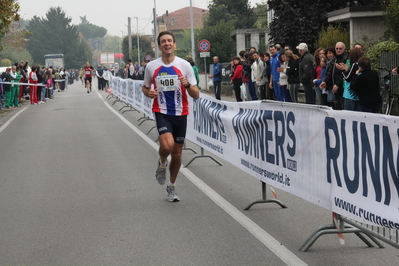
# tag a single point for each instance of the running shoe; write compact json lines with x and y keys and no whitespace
{"x":172,"y":195}
{"x":160,"y":174}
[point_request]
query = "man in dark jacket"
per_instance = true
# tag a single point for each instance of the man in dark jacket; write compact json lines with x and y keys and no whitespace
{"x":334,"y":78}
{"x":6,"y":77}
{"x":100,"y":78}
{"x":306,"y":73}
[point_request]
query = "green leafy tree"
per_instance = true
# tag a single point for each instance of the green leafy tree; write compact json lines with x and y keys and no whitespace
{"x":391,"y":18}
{"x":219,"y":37}
{"x":15,"y":55}
{"x":261,"y":16}
{"x":91,"y":31}
{"x":8,"y":13}
{"x":111,"y":44}
{"x":225,"y":9}
{"x":54,"y":34}
{"x":331,"y":35}
{"x":145,"y":48}
{"x":377,"y":49}
{"x":298,"y":21}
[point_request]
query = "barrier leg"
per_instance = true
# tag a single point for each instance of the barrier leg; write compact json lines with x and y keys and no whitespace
{"x":115,"y":101}
{"x":189,"y":149}
{"x":150,"y":130}
{"x":203,"y":156}
{"x":344,"y":229}
{"x":131,"y":109}
{"x":265,"y":200}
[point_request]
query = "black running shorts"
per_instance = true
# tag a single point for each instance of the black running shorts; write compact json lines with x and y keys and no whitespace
{"x":177,"y":125}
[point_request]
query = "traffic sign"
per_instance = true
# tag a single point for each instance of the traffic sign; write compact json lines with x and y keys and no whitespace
{"x":205,"y":54}
{"x":148,"y":57}
{"x":204,"y":45}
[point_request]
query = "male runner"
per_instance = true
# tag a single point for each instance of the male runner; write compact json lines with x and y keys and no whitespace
{"x":88,"y":72}
{"x":172,"y":78}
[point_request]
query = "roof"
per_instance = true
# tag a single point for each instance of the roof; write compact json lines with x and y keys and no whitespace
{"x":180,"y":19}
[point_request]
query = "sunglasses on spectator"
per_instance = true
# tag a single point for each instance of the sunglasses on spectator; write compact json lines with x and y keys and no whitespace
{"x":339,"y":48}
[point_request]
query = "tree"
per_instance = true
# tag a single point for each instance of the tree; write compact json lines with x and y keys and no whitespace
{"x":15,"y":55}
{"x":145,"y":48}
{"x":297,"y":21}
{"x":91,"y":31}
{"x":261,"y":14}
{"x":219,"y":37}
{"x":54,"y":34}
{"x":230,"y":9}
{"x":8,"y":13}
{"x":391,"y":18}
{"x":111,"y":44}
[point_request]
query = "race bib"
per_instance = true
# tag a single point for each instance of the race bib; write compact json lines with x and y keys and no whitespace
{"x":88,"y":72}
{"x":167,"y":83}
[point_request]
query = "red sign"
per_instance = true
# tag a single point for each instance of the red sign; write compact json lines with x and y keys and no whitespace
{"x":204,"y":45}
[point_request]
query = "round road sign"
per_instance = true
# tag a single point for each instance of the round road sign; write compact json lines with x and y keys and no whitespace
{"x":204,"y":45}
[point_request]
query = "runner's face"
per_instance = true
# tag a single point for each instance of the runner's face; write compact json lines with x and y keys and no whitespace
{"x":167,"y":45}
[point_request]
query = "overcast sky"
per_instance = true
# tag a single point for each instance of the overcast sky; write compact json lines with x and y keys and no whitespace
{"x":111,"y":14}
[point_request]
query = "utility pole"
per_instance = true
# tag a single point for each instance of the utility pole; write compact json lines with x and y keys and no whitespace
{"x":155,"y":29}
{"x":192,"y":30}
{"x":129,"y":36}
{"x":138,"y":41}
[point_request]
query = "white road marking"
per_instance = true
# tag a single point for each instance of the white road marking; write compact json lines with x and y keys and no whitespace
{"x":269,"y":241}
{"x":6,"y":124}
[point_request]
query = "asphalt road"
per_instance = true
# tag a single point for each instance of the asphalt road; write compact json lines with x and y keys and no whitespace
{"x":77,"y":187}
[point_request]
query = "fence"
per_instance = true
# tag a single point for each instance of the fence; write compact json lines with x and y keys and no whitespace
{"x":342,"y":161}
{"x":391,"y":61}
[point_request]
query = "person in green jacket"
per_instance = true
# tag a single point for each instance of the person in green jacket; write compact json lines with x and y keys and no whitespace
{"x":16,"y":76}
{"x":192,"y":63}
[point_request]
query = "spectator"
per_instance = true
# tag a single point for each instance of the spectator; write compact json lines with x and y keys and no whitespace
{"x":292,"y":73}
{"x":330,"y":54}
{"x":260,"y":80}
{"x":100,"y":78}
{"x":217,"y":77}
{"x":33,"y":89}
{"x":366,"y":85}
{"x":251,"y":78}
{"x":6,"y":77}
{"x":16,"y":77}
{"x":245,"y":75}
{"x":334,"y":77}
{"x":195,"y":69}
{"x":236,"y":79}
{"x":351,"y":99}
{"x":268,"y":93}
{"x":274,"y":74}
{"x":251,"y":50}
{"x":283,"y":82}
{"x":306,"y":73}
{"x":320,"y":72}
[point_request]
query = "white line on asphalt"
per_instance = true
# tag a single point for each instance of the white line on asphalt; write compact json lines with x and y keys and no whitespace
{"x":6,"y":124}
{"x":269,"y":241}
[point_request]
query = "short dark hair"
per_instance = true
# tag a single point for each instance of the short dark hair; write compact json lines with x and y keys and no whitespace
{"x":365,"y":63}
{"x":166,"y":32}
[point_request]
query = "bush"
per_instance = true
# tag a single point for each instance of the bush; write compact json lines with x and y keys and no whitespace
{"x":16,"y":56}
{"x":330,"y":36}
{"x":375,"y":51}
{"x":5,"y":62}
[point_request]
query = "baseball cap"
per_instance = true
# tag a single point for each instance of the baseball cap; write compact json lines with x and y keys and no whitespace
{"x":302,"y":46}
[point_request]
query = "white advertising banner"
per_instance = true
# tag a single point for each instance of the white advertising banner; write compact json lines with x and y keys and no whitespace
{"x":346,"y":162}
